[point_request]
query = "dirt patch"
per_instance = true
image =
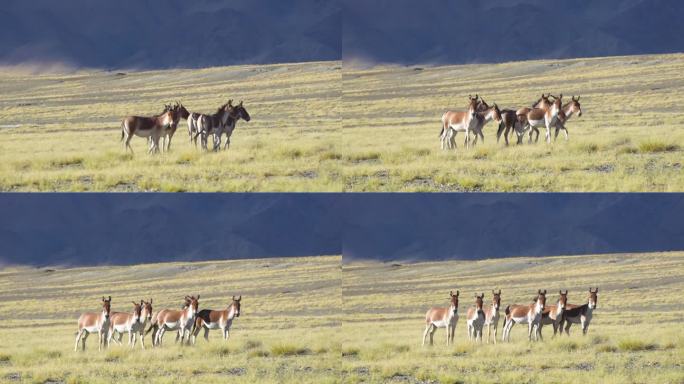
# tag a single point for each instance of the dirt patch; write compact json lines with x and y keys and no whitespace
{"x":237,"y":371}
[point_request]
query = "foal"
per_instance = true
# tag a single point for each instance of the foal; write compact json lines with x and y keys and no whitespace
{"x":91,"y":322}
{"x":475,"y":319}
{"x":554,"y":313}
{"x":580,"y":314}
{"x":442,"y":318}
{"x":210,"y":319}
{"x":525,"y":314}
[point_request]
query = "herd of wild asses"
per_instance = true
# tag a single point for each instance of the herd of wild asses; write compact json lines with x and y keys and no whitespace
{"x":203,"y":125}
{"x":547,"y":112}
{"x":535,"y":315}
{"x":188,"y":321}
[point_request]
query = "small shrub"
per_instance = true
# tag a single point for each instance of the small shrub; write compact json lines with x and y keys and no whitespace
{"x":627,"y":150}
{"x":258,"y":353}
{"x":567,"y":346}
{"x":222,"y":351}
{"x":636,"y":345}
{"x":587,"y":147}
{"x":251,"y":344}
{"x":656,"y":147}
{"x":5,"y":358}
{"x":288,"y":350}
{"x":350,"y":352}
{"x":329,"y":155}
{"x":607,"y":348}
{"x":363,"y":156}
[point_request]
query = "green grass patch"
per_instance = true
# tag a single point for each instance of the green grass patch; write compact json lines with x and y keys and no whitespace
{"x":289,"y":350}
{"x":653,"y":146}
{"x":631,"y":345}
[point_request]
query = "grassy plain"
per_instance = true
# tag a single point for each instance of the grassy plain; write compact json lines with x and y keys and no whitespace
{"x":288,"y":330}
{"x":60,"y":132}
{"x":635,"y":335}
{"x":630,"y":136}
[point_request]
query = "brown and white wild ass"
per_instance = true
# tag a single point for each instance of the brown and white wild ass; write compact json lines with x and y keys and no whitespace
{"x":554,"y":313}
{"x":442,"y":318}
{"x":567,"y":111}
{"x":175,"y":320}
{"x":453,"y":122}
{"x":475,"y":319}
{"x":525,"y":314}
{"x":484,"y":115}
{"x":211,"y":124}
{"x":91,"y":322}
{"x":236,"y":113}
{"x":492,"y":315}
{"x":133,"y":323}
{"x":544,"y":115}
{"x":148,"y":127}
{"x":210,"y":319}
{"x":180,"y":113}
{"x":580,"y":314}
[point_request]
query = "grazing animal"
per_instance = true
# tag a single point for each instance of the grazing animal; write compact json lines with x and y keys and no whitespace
{"x":133,"y":323}
{"x":453,"y":122}
{"x":580,"y":314}
{"x":212,"y":124}
{"x":492,"y":315}
{"x":475,"y":319}
{"x":442,"y":318}
{"x":554,"y":313}
{"x":175,"y":320}
{"x":192,"y":127}
{"x":236,"y":113}
{"x":210,"y":319}
{"x":148,"y":127}
{"x":525,"y":314}
{"x":91,"y":322}
{"x":545,"y":115}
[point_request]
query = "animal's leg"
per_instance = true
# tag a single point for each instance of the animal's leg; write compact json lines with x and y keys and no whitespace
{"x":141,"y":336}
{"x":567,"y":328}
{"x":168,"y":146}
{"x":452,"y":140}
{"x":495,"y":332}
{"x":432,"y":334}
{"x":225,"y":148}
{"x":83,"y":340}
{"x":508,"y":128}
{"x":100,"y":341}
{"x":425,"y":333}
{"x":548,"y":133}
{"x":529,"y":330}
{"x":78,"y":338}
{"x":585,"y":326}
{"x":489,"y":332}
{"x":225,"y":333}
{"x":499,"y":131}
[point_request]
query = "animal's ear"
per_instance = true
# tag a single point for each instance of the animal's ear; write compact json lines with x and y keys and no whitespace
{"x":560,"y":96}
{"x":142,"y":302}
{"x":457,"y":293}
{"x":233,"y":297}
{"x":134,"y":303}
{"x":539,"y":292}
{"x":241,"y":103}
{"x":110,"y":298}
{"x":451,"y":293}
{"x":499,"y":291}
{"x":198,"y":297}
{"x":596,"y":291}
{"x":103,"y":299}
{"x":566,"y":291}
{"x":545,"y":291}
{"x":150,"y":300}
{"x":483,"y":295}
{"x":493,"y":293}
{"x":560,"y":291}
{"x":239,"y":298}
{"x":578,"y":97}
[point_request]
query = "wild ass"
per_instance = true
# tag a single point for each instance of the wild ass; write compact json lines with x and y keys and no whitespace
{"x":91,"y":322}
{"x":511,"y":122}
{"x":545,"y":115}
{"x":210,"y":319}
{"x":212,"y":124}
{"x":442,"y":318}
{"x":484,"y":115}
{"x":172,"y":320}
{"x":580,"y":314}
{"x":554,"y":313}
{"x":525,"y":314}
{"x":492,"y":315}
{"x":133,"y":323}
{"x":453,"y":122}
{"x":475,"y":319}
{"x":567,"y":111}
{"x":180,"y":113}
{"x":149,"y":127}
{"x":236,"y":113}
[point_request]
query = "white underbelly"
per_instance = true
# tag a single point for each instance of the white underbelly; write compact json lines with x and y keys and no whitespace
{"x":538,"y":123}
{"x":520,"y":320}
{"x":172,"y":326}
{"x":92,"y":328}
{"x":121,"y":328}
{"x":460,"y":127}
{"x":212,"y":325}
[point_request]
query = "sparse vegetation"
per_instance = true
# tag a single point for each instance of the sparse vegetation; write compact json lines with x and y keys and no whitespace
{"x":638,"y":315}
{"x":61,"y":132}
{"x":279,"y":337}
{"x":629,"y":137}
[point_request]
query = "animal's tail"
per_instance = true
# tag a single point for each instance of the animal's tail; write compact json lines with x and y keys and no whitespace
{"x":441,"y":131}
{"x":122,"y":130}
{"x":153,"y":326}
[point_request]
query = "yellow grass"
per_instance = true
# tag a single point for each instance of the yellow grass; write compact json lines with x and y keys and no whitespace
{"x":61,"y":132}
{"x":634,"y":337}
{"x":288,"y":330}
{"x":630,"y":136}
